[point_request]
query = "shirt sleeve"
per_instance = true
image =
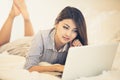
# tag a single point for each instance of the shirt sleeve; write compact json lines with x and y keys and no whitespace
{"x":35,"y":52}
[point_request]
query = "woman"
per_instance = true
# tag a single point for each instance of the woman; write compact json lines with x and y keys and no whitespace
{"x":52,"y":45}
{"x":18,"y":7}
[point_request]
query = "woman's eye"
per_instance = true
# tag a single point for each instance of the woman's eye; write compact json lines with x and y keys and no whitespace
{"x":75,"y":31}
{"x":65,"y":27}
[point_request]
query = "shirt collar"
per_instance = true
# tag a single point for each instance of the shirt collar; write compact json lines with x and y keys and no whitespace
{"x":65,"y":48}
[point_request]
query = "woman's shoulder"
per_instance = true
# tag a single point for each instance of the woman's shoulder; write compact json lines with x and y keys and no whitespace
{"x":46,"y":31}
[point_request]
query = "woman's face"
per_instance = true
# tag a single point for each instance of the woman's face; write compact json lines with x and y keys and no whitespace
{"x":66,"y":31}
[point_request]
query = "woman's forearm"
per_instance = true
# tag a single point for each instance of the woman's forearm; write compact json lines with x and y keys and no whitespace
{"x":54,"y":68}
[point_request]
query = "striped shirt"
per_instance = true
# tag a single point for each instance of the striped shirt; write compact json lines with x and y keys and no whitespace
{"x":43,"y":50}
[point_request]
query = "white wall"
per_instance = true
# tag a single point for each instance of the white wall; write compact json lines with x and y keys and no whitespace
{"x":43,"y":13}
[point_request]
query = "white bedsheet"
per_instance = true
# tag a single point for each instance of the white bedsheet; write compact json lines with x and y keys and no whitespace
{"x":11,"y":68}
{"x":110,"y":75}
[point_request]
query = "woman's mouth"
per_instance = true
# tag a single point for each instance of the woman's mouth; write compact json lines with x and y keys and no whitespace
{"x":66,"y":38}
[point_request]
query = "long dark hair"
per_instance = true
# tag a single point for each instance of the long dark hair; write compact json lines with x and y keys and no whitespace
{"x":78,"y":18}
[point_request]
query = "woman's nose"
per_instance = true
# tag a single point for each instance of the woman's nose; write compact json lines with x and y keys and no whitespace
{"x":68,"y":33}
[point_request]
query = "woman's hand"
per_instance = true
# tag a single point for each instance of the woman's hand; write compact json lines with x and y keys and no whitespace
{"x":58,"y":67}
{"x":76,"y":43}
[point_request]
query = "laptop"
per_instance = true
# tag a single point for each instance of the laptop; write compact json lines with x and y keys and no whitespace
{"x":91,"y":60}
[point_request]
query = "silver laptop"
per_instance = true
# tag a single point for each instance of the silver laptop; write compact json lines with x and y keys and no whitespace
{"x":89,"y":60}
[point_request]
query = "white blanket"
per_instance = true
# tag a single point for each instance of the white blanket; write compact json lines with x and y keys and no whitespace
{"x":11,"y":68}
{"x":110,"y":75}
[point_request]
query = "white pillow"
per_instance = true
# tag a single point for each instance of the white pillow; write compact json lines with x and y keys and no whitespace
{"x":104,"y":28}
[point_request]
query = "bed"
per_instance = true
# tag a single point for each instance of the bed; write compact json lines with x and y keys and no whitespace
{"x":12,"y":60}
